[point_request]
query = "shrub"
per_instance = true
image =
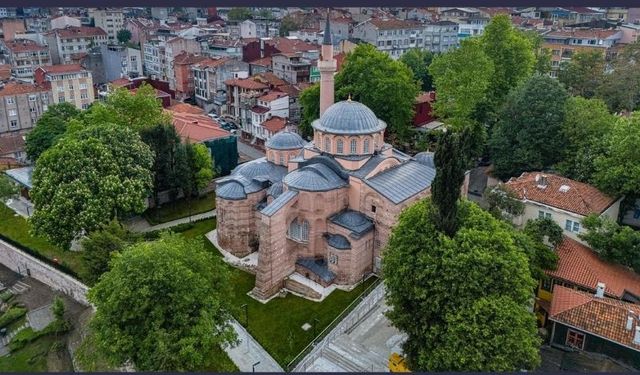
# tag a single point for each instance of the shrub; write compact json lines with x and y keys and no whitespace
{"x":11,"y":316}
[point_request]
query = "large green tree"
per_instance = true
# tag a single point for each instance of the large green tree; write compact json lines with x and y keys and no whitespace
{"x":512,"y":54}
{"x":617,"y":170}
{"x":455,"y":282}
{"x":164,"y":306}
{"x":529,"y":135}
{"x":377,"y":81}
{"x":310,"y":108}
{"x":87,"y":179}
{"x":239,"y":14}
{"x":288,"y":24}
{"x":164,"y":142}
{"x":583,"y":74}
{"x":613,"y":242}
{"x":123,"y":36}
{"x":621,"y":86}
{"x":462,"y":79}
{"x":49,"y":128}
{"x":418,"y":60}
{"x":587,"y":122}
{"x":101,"y":245}
{"x":7,"y":188}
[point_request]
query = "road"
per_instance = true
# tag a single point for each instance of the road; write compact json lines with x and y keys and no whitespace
{"x":248,"y":151}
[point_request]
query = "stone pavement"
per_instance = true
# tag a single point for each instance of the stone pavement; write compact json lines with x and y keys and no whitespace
{"x":249,"y":151}
{"x":249,"y":351}
{"x":139,"y":224}
{"x":40,"y":318}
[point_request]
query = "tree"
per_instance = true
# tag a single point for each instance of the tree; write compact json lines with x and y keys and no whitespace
{"x":503,"y":202}
{"x":87,"y":179}
{"x":537,"y":240}
{"x":451,"y":274}
{"x":49,"y":128}
{"x":164,"y":141}
{"x":239,"y":14}
{"x":183,"y":172}
{"x":201,"y":165}
{"x":617,"y":170}
{"x":7,"y":188}
{"x":583,"y":74}
{"x":621,"y":86}
{"x":310,"y":108}
{"x":418,"y":60}
{"x":462,"y":78}
{"x":587,"y":122}
{"x":138,"y":111}
{"x":542,"y":64}
{"x":123,"y":36}
{"x":164,"y":306}
{"x":101,"y":245}
{"x":492,"y":325}
{"x":512,"y":54}
{"x":529,"y":135}
{"x":613,"y":242}
{"x":58,"y":308}
{"x":288,"y":24}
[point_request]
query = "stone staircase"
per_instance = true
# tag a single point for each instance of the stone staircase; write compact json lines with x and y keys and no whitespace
{"x":7,"y":339}
{"x":19,"y":287}
{"x":353,"y":357}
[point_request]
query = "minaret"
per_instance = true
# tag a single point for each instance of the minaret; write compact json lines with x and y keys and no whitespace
{"x":327,"y":66}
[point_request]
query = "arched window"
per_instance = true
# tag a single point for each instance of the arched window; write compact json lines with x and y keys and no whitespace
{"x":366,"y":146}
{"x":327,"y":145}
{"x":339,"y":147}
{"x":281,"y":159}
{"x":354,"y":146}
{"x":299,"y":231}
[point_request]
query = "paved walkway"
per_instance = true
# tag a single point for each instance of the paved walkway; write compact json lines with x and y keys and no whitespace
{"x":249,"y":151}
{"x":21,"y":206}
{"x":139,"y":224}
{"x":249,"y":352}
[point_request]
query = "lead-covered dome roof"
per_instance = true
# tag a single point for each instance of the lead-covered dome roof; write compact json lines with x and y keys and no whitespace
{"x":285,"y":141}
{"x":349,"y":117}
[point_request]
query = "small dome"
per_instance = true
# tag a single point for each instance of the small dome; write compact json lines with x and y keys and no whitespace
{"x":276,"y":190}
{"x":353,"y":218}
{"x":285,"y":141}
{"x":314,"y":177}
{"x":425,"y":158}
{"x":338,"y":241}
{"x":349,"y":117}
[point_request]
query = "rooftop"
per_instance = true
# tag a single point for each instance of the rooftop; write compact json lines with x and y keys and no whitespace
{"x":581,"y":34}
{"x":64,"y":68}
{"x":560,"y":192}
{"x":197,"y":127}
{"x":11,"y":144}
{"x":349,"y":117}
{"x":18,"y":88}
{"x":358,"y":223}
{"x":275,"y":124}
{"x":82,"y":31}
{"x":392,"y":24}
{"x":24,"y":45}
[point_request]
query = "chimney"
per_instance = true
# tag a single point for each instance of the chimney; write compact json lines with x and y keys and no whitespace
{"x":542,"y":181}
{"x":636,"y":337}
{"x":629,"y":325}
{"x":600,"y":290}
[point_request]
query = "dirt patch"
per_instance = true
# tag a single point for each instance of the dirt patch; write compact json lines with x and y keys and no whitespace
{"x":58,"y":358}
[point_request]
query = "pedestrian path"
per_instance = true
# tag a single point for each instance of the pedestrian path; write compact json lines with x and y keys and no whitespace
{"x":249,"y":355}
{"x":139,"y":224}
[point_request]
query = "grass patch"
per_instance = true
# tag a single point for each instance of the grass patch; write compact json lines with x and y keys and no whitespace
{"x":180,"y":209}
{"x":31,"y":358}
{"x":277,"y":325}
{"x":28,"y":335}
{"x":17,"y":229}
{"x":12,"y":315}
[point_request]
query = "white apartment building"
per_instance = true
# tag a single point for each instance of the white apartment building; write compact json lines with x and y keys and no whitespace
{"x":111,"y":20}
{"x":65,"y":43}
{"x":68,"y":83}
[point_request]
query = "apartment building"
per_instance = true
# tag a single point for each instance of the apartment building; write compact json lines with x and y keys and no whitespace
{"x":294,"y":67}
{"x":564,"y":43}
{"x":440,"y":36}
{"x":154,"y":58}
{"x":175,"y":47}
{"x":240,"y":96}
{"x":69,"y":83}
{"x":111,"y":20}
{"x":11,"y":27}
{"x":21,"y":105}
{"x":268,"y":116}
{"x":24,"y":56}
{"x":62,"y":22}
{"x":64,"y":43}
{"x":209,"y":76}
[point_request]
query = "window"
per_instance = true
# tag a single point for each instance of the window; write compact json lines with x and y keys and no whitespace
{"x":10,"y":101}
{"x":83,"y":86}
{"x":281,"y":159}
{"x":12,"y":112}
{"x":544,"y":215}
{"x":575,"y":339}
{"x":13,"y":124}
{"x":333,"y":259}
{"x":299,"y":231}
{"x":373,"y":209}
{"x":547,"y":284}
{"x":366,"y":146}
{"x":339,"y":146}
{"x":32,"y":98}
{"x":353,"y":146}
{"x":572,"y":226}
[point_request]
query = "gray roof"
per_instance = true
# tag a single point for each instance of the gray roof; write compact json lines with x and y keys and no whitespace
{"x":23,"y":176}
{"x":338,"y":241}
{"x":279,"y":202}
{"x":249,"y":178}
{"x":314,"y":177}
{"x":317,"y":266}
{"x":358,"y":223}
{"x":349,"y":117}
{"x":402,"y":181}
{"x":285,"y":141}
{"x":276,"y":189}
{"x":369,"y":166}
{"x":326,"y":40}
{"x":425,"y":158}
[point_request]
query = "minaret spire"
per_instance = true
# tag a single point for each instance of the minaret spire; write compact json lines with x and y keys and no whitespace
{"x":327,"y":66}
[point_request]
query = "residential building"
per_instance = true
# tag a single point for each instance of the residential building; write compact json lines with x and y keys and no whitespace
{"x":390,"y":35}
{"x":109,"y":62}
{"x":240,"y":94}
{"x":440,"y":36}
{"x":424,"y":108}
{"x":37,"y":24}
{"x":111,"y":20}
{"x":630,"y":33}
{"x":11,"y":27}
{"x":222,"y":47}
{"x":565,"y":201}
{"x":160,"y":13}
{"x":254,"y":49}
{"x":68,"y":83}
{"x":154,"y":58}
{"x":568,"y":15}
{"x":458,"y":13}
{"x":293,"y":67}
{"x":12,"y":149}
{"x":309,"y":35}
{"x":64,"y":43}
{"x":63,"y":22}
{"x":173,"y":48}
{"x":24,"y":56}
{"x":617,"y":14}
{"x":262,"y":65}
{"x":21,"y":105}
{"x":7,"y":12}
{"x":209,"y":77}
{"x":564,"y":43}
{"x":273,"y":106}
{"x":5,"y":72}
{"x":472,"y":26}
{"x":184,"y":79}
{"x":595,"y":323}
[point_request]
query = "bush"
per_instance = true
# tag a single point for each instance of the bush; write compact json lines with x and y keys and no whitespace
{"x":28,"y":335}
{"x":58,"y":308}
{"x":6,"y":296}
{"x":11,"y":316}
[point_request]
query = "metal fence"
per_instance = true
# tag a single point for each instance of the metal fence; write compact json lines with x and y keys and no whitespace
{"x":347,"y":319}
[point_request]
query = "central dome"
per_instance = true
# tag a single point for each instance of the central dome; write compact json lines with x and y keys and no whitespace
{"x":349,"y":117}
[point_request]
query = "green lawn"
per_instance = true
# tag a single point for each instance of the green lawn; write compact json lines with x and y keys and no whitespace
{"x":31,"y":358}
{"x":17,"y":229}
{"x":277,"y":325}
{"x":180,"y":208}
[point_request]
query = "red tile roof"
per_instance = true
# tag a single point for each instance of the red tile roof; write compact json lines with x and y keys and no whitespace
{"x":212,"y":63}
{"x":120,"y":82}
{"x":579,"y":265}
{"x":604,"y":317}
{"x":186,"y":58}
{"x":11,"y":144}
{"x":591,"y":34}
{"x":272,"y":95}
{"x":24,"y":45}
{"x":82,"y":31}
{"x":64,"y":68}
{"x":5,"y":71}
{"x":275,"y":124}
{"x":426,"y":97}
{"x":186,"y":108}
{"x":286,"y":45}
{"x":259,"y":109}
{"x":392,"y":24}
{"x":18,"y":88}
{"x":270,"y":78}
{"x":580,"y":198}
{"x":246,"y":83}
{"x":265,"y":61}
{"x":197,"y":127}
